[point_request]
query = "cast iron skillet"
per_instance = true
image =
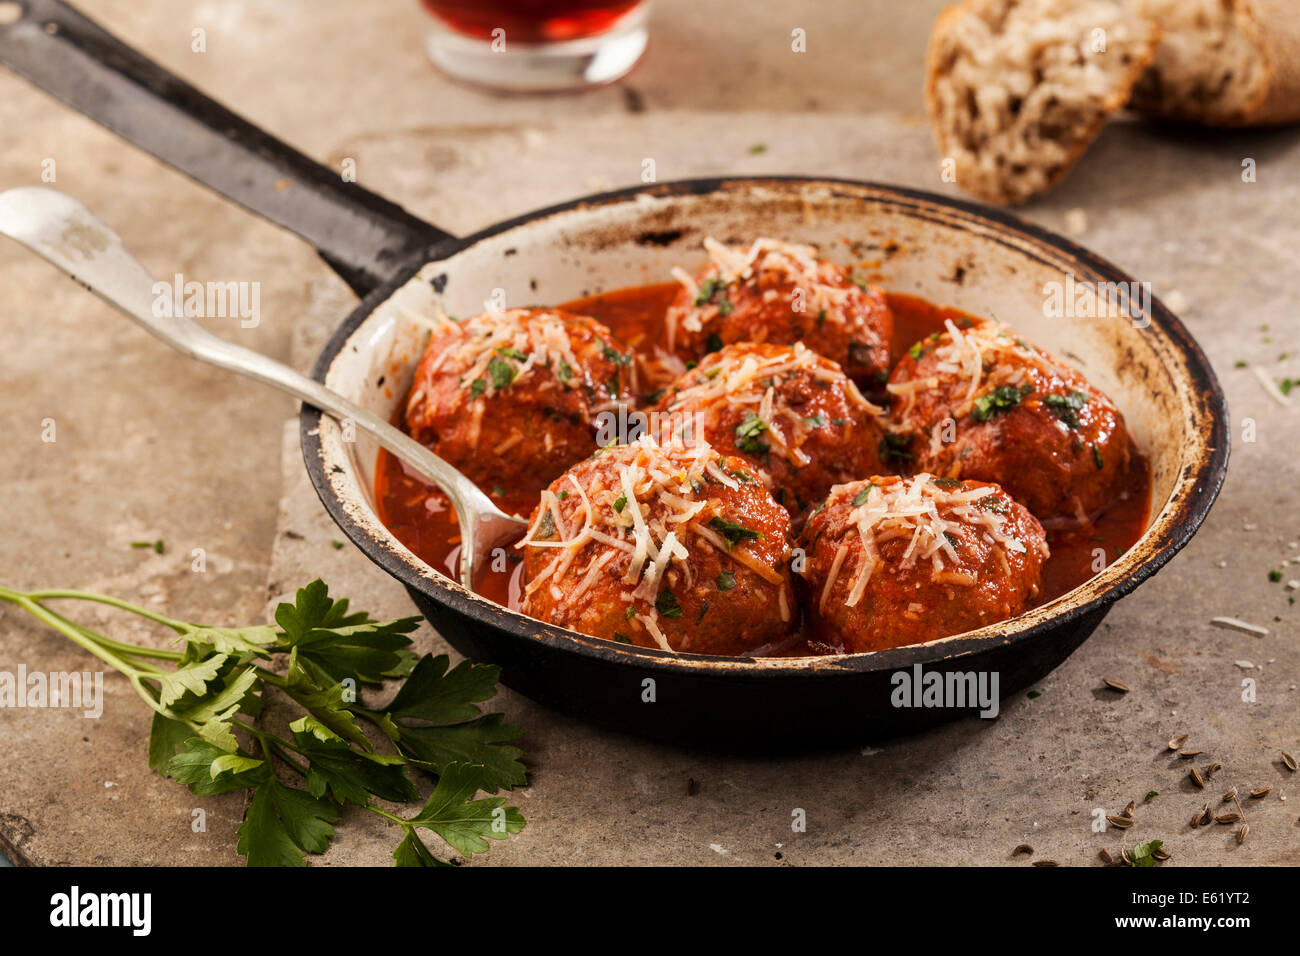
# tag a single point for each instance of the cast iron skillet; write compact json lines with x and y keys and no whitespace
{"x":1158,"y":375}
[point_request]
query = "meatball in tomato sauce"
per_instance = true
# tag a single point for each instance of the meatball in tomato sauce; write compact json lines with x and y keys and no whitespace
{"x":798,"y":420}
{"x":980,"y":402}
{"x":895,"y":561}
{"x":779,"y":292}
{"x":662,"y":546}
{"x":511,"y":398}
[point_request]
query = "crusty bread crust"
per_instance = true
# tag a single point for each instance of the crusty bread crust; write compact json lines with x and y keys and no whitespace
{"x":1224,"y":63}
{"x":1015,"y":94}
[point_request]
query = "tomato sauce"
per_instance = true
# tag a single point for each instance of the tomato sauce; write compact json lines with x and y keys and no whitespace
{"x":420,"y":517}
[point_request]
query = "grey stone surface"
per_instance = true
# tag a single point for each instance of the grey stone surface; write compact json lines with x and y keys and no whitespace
{"x":153,"y":446}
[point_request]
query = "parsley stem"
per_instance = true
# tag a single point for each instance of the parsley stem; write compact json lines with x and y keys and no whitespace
{"x":404,"y":824}
{"x":74,"y":633}
{"x":111,"y":601}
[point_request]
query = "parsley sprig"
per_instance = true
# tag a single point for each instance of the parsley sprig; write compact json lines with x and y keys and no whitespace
{"x":206,"y":694}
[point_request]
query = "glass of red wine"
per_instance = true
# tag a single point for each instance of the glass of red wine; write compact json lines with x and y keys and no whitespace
{"x":537,"y":45}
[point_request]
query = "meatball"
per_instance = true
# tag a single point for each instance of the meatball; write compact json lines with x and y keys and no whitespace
{"x":667,"y":546}
{"x":895,"y":561}
{"x":511,"y":398}
{"x":791,"y":413}
{"x":981,"y":403}
{"x":778,"y":292}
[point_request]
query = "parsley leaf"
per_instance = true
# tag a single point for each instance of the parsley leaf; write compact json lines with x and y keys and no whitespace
{"x":1142,"y":854}
{"x":345,"y":645}
{"x":348,"y":774}
{"x":501,"y":373}
{"x":666,"y":604}
{"x":1000,"y":400}
{"x":282,"y":822}
{"x":465,"y":824}
{"x":747,"y":433}
{"x":734,"y":533}
{"x":1065,"y":407}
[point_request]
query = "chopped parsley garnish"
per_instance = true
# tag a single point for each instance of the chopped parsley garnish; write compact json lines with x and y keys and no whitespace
{"x":992,"y":503}
{"x":821,"y":318}
{"x":734,"y":533}
{"x":1065,"y":406}
{"x":917,"y":350}
{"x":613,"y":384}
{"x":631,"y":613}
{"x":747,"y":433}
{"x":1275,"y":576}
{"x":860,"y":283}
{"x":514,"y":354}
{"x":946,"y":483}
{"x":713,"y":343}
{"x":561,"y":495}
{"x":1143,"y":853}
{"x":816,"y":421}
{"x":725,"y":307}
{"x":861,"y":497}
{"x":156,"y":545}
{"x":620,"y":503}
{"x":1096,"y":458}
{"x":622,"y":638}
{"x":614,"y":355}
{"x":477,"y":387}
{"x":565,"y":372}
{"x":757,"y":148}
{"x":708,"y":289}
{"x":1151,"y":794}
{"x":893,"y":448}
{"x":501,"y":373}
{"x":666,"y":604}
{"x":1001,"y":399}
{"x":726,"y":580}
{"x":545,"y":527}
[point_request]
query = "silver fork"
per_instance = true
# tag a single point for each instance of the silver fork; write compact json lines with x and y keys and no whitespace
{"x":62,"y":230}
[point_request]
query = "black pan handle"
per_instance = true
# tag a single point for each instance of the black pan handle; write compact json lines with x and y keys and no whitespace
{"x":364,"y":237}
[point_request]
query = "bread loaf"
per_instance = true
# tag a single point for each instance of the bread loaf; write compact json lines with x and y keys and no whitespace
{"x":1018,"y":89}
{"x":1224,"y":62}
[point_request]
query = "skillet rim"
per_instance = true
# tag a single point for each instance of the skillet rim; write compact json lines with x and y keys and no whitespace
{"x":1188,"y":511}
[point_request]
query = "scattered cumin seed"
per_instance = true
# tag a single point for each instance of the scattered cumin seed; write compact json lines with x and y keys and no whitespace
{"x":1263,"y":791}
{"x":1197,"y":778}
{"x":1242,"y":831}
{"x":1228,"y":818}
{"x":1289,"y":762}
{"x":1189,"y":754}
{"x":1120,"y":822}
{"x":1132,"y":805}
{"x":1230,"y":795}
{"x":1045,"y":863}
{"x":1024,"y":848}
{"x":1177,"y":742}
{"x":1106,"y":857}
{"x":1116,"y":685}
